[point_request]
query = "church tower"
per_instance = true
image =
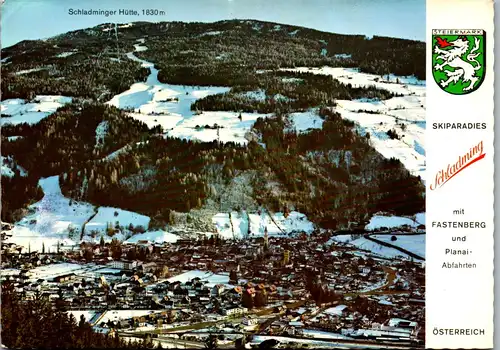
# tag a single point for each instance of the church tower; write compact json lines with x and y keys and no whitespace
{"x":266,"y":240}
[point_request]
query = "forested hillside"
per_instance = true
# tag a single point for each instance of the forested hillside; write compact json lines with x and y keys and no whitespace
{"x":333,"y":174}
{"x":91,"y":62}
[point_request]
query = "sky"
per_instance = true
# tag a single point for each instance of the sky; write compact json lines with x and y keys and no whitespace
{"x":40,"y":19}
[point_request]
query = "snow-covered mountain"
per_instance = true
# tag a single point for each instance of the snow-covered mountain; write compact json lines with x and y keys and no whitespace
{"x":224,"y":129}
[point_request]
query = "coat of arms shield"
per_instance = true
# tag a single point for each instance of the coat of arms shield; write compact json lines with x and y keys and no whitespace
{"x":458,"y":59}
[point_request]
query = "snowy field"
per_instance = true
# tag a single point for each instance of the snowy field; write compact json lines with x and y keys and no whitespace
{"x":154,"y":237}
{"x":412,"y":243}
{"x":304,"y":121}
{"x":169,"y":106}
{"x":87,"y":271}
{"x":108,"y":270}
{"x":336,"y":311}
{"x":420,"y":218}
{"x":378,"y":221}
{"x":409,"y":125}
{"x":313,"y":333}
{"x":51,"y":219}
{"x":108,"y":215}
{"x":209,"y":278}
{"x":357,"y":79}
{"x":405,"y":114}
{"x":21,"y":111}
{"x":223,"y":225}
{"x":116,"y":315}
{"x":375,"y":248}
{"x":230,"y":127}
{"x":295,"y":223}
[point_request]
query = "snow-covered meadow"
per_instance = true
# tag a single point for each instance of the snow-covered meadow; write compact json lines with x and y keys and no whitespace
{"x":353,"y":76}
{"x":51,"y":271}
{"x":404,"y":114}
{"x":304,"y":121}
{"x":412,"y":243}
{"x":109,"y":215}
{"x":223,"y":126}
{"x":210,"y":278}
{"x":159,"y":236}
{"x":116,"y":315}
{"x":379,"y":221}
{"x":21,"y":111}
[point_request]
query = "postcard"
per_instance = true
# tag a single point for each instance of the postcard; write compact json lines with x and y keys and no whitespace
{"x":233,"y":174}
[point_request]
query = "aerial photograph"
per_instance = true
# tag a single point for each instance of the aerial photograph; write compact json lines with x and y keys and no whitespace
{"x":213,"y":174}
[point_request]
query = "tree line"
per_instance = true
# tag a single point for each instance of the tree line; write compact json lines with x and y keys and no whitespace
{"x":307,"y":90}
{"x":36,"y":324}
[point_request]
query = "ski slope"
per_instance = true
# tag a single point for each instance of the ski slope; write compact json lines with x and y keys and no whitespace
{"x":51,"y":220}
{"x":169,"y":106}
{"x":56,"y":219}
{"x":378,"y":221}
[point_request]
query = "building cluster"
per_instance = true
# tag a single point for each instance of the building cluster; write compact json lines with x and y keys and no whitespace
{"x":307,"y":283}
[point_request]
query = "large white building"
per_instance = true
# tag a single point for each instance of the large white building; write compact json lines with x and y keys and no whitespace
{"x":124,"y":264}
